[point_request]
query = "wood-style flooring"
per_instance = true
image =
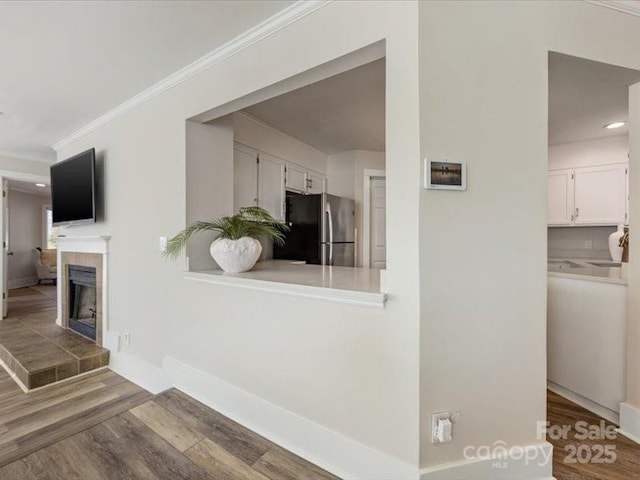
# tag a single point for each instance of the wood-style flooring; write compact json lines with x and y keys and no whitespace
{"x":101,"y":426}
{"x":587,"y":464}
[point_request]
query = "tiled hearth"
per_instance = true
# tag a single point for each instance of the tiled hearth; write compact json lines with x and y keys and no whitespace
{"x":39,"y":352}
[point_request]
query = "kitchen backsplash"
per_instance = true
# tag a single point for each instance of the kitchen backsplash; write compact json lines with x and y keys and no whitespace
{"x":573,"y":242}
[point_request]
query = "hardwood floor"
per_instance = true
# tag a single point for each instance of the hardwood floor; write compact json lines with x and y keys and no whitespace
{"x":171,"y":436}
{"x":101,"y":426}
{"x":587,"y":464}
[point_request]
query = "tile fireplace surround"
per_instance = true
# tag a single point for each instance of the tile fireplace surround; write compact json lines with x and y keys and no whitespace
{"x":87,"y":252}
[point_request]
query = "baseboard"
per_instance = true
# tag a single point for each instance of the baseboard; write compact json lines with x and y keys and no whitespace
{"x":330,"y":450}
{"x":138,"y":371}
{"x":630,"y":422}
{"x":529,"y":462}
{"x":584,"y":402}
{"x":22,"y":282}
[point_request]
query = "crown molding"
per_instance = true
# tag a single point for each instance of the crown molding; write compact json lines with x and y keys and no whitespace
{"x":273,"y":24}
{"x":631,"y":7}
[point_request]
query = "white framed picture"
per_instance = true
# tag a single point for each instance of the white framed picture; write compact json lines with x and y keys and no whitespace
{"x":445,"y":174}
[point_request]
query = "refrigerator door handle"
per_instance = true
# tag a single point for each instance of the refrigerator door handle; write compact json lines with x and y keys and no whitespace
{"x":327,"y":211}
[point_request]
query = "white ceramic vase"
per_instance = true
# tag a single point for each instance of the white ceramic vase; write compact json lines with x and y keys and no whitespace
{"x":236,"y":256}
{"x":614,"y":239}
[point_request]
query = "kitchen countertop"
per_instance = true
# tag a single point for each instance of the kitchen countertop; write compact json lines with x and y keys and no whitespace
{"x":583,"y":269}
{"x":357,"y":286}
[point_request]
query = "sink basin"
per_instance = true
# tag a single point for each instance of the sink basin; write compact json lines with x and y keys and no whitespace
{"x":605,"y":264}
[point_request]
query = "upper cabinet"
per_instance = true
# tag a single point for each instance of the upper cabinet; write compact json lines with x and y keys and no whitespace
{"x":560,"y":197}
{"x":588,"y":196}
{"x":271,"y":185}
{"x":262,"y":179}
{"x":316,"y":183}
{"x":295,"y":178}
{"x":299,"y":179}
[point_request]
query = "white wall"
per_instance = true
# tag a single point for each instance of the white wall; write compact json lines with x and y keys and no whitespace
{"x":25,"y":234}
{"x":604,"y":151}
{"x":341,"y":173}
{"x":254,"y":133}
{"x":483,"y":88}
{"x":348,"y":369}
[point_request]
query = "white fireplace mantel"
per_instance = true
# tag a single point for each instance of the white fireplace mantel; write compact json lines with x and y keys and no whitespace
{"x":94,"y":244}
{"x":98,"y":244}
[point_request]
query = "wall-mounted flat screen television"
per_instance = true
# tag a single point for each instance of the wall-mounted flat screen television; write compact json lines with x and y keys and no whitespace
{"x":73,"y":190}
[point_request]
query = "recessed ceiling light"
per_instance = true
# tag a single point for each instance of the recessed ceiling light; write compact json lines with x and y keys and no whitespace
{"x":611,"y":126}
{"x":41,"y":185}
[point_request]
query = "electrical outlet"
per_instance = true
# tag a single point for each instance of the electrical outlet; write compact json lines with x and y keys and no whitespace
{"x":436,"y":418}
{"x":588,"y":244}
{"x":126,"y":337}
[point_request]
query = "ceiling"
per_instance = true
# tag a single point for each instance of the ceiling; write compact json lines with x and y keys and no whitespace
{"x":340,"y":113}
{"x":584,"y":96}
{"x":64,"y":64}
{"x":29,"y":187}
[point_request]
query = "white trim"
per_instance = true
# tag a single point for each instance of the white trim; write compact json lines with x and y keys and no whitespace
{"x":22,"y":282}
{"x":584,"y":402}
{"x":148,"y":376}
{"x":536,"y":463}
{"x":366,"y":213}
{"x":330,"y":450}
{"x":350,"y":297}
{"x":261,"y":31}
{"x":630,"y":421}
{"x":93,"y":244}
{"x":631,"y":7}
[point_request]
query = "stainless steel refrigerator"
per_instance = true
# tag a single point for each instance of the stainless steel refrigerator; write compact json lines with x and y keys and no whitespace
{"x":322,"y":230}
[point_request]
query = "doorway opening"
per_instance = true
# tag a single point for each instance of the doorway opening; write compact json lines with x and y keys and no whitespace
{"x":587,"y":217}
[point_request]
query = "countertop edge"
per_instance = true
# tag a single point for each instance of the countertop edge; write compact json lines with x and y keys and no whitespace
{"x":588,"y":278}
{"x":350,"y":297}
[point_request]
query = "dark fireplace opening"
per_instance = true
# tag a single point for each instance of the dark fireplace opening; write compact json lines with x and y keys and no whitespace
{"x":82,"y":300}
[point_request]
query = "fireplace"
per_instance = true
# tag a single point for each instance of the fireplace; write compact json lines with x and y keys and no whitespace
{"x":82,"y":300}
{"x":81,"y":306}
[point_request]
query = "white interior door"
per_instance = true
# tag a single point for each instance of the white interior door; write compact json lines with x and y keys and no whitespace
{"x":5,"y":245}
{"x":378,"y":223}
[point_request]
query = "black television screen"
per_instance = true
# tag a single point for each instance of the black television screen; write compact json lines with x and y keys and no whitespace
{"x":73,"y":190}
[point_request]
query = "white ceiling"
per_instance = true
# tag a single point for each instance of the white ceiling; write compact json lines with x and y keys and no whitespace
{"x":29,"y":187}
{"x":343,"y":112}
{"x":584,"y":96}
{"x":63,"y":64}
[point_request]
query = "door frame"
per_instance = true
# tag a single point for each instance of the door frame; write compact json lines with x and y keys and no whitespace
{"x":366,"y":213}
{"x":6,"y":175}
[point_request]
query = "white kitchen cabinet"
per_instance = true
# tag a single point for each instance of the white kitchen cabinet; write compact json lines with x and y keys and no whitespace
{"x":588,"y":196}
{"x":586,"y":339}
{"x":316,"y":183}
{"x":295,"y":178}
{"x":245,"y":177}
{"x":560,"y":208}
{"x":601,"y":195}
{"x":271,"y":185}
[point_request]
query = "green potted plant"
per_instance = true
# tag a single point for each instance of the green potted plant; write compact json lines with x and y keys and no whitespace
{"x":236,"y":247}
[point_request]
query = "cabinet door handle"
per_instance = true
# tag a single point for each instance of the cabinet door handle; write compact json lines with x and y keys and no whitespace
{"x":577,"y":212}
